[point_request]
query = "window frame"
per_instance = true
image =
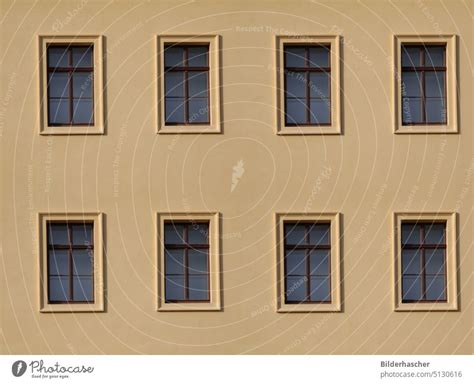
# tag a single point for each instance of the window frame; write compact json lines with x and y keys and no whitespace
{"x":98,"y":265}
{"x":214,"y":280}
{"x":451,"y":302}
{"x":451,"y":125}
{"x":214,"y":104}
{"x":98,"y":127}
{"x":333,"y":219}
{"x":335,"y":125}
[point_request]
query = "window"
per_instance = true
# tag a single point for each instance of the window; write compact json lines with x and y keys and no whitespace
{"x":308,"y":85}
{"x":188,"y":262}
{"x":188,"y":92}
{"x":308,"y":262}
{"x":71,"y":263}
{"x":425,"y":84}
{"x":71,"y":85}
{"x":426,"y":261}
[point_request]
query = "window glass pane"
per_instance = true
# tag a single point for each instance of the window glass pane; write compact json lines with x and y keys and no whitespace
{"x":435,"y":288}
{"x":411,"y":110}
{"x":295,"y":57}
{"x":319,"y":262}
{"x":58,"y":262}
{"x":174,"y":233}
{"x":174,"y":262}
{"x":83,"y":289}
{"x":197,"y":56}
{"x":174,"y":84}
{"x":58,"y":234}
{"x":295,"y":234}
{"x":59,"y":111}
{"x":411,"y":262}
{"x":83,"y":261}
{"x":295,"y":263}
{"x":197,"y":84}
{"x":57,"y":57}
{"x":296,"y":288}
{"x":435,"y":111}
{"x":319,"y":234}
{"x":198,"y":111}
{"x":320,"y":111}
{"x":320,"y":290}
{"x":197,"y":261}
{"x":296,"y":111}
{"x":295,"y":84}
{"x":58,"y":85}
{"x":174,"y":110}
{"x":82,"y":57}
{"x":82,"y":111}
{"x":319,"y":85}
{"x":434,"y":56}
{"x":410,"y":234}
{"x":82,"y":234}
{"x":58,"y":288}
{"x":174,"y":288}
{"x":319,"y":57}
{"x":434,"y":234}
{"x":174,"y":57}
{"x":410,"y":56}
{"x":411,"y":288}
{"x":434,"y":84}
{"x":198,"y":288}
{"x":434,"y":259}
{"x":82,"y":84}
{"x":411,"y":84}
{"x":198,"y":233}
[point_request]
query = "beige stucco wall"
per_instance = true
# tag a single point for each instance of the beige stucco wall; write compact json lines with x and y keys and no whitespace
{"x":131,"y":172}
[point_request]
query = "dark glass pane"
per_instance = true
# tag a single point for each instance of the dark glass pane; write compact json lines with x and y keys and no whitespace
{"x":58,"y":234}
{"x":174,"y":288}
{"x":319,"y":85}
{"x":411,"y":262}
{"x":319,"y":57}
{"x":174,"y":84}
{"x":198,"y":233}
{"x":411,"y":84}
{"x":197,"y":84}
{"x":411,"y":110}
{"x":435,"y":288}
{"x":411,"y":234}
{"x":320,"y":112}
{"x":83,"y":288}
{"x":83,"y":261}
{"x":174,"y":233}
{"x":174,"y":110}
{"x":435,"y":234}
{"x":58,"y":288}
{"x":320,"y":289}
{"x":174,"y":262}
{"x":82,"y":111}
{"x":296,"y":84}
{"x":57,"y":57}
{"x":434,"y":84}
{"x":197,"y":57}
{"x":296,"y":288}
{"x":410,"y":56}
{"x":435,"y":259}
{"x":319,"y":234}
{"x":295,"y":263}
{"x":58,"y":262}
{"x":434,"y":56}
{"x":82,"y":234}
{"x":411,"y":288}
{"x":82,"y":57}
{"x":197,"y":261}
{"x":296,"y":111}
{"x":198,"y":110}
{"x":198,"y":288}
{"x":319,"y":262}
{"x":82,"y":84}
{"x":58,"y":85}
{"x":59,"y":111}
{"x":174,"y":57}
{"x":295,"y":234}
{"x":435,"y":111}
{"x":295,"y":57}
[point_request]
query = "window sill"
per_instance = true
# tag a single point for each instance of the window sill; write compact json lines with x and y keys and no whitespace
{"x":61,"y":308}
{"x":426,"y":307}
{"x":426,"y":129}
{"x":309,"y":130}
{"x":72,"y":130}
{"x":167,"y":129}
{"x":307,"y":308}
{"x":188,"y":307}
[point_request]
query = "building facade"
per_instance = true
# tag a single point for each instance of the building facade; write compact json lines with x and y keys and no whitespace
{"x":243,"y":177}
